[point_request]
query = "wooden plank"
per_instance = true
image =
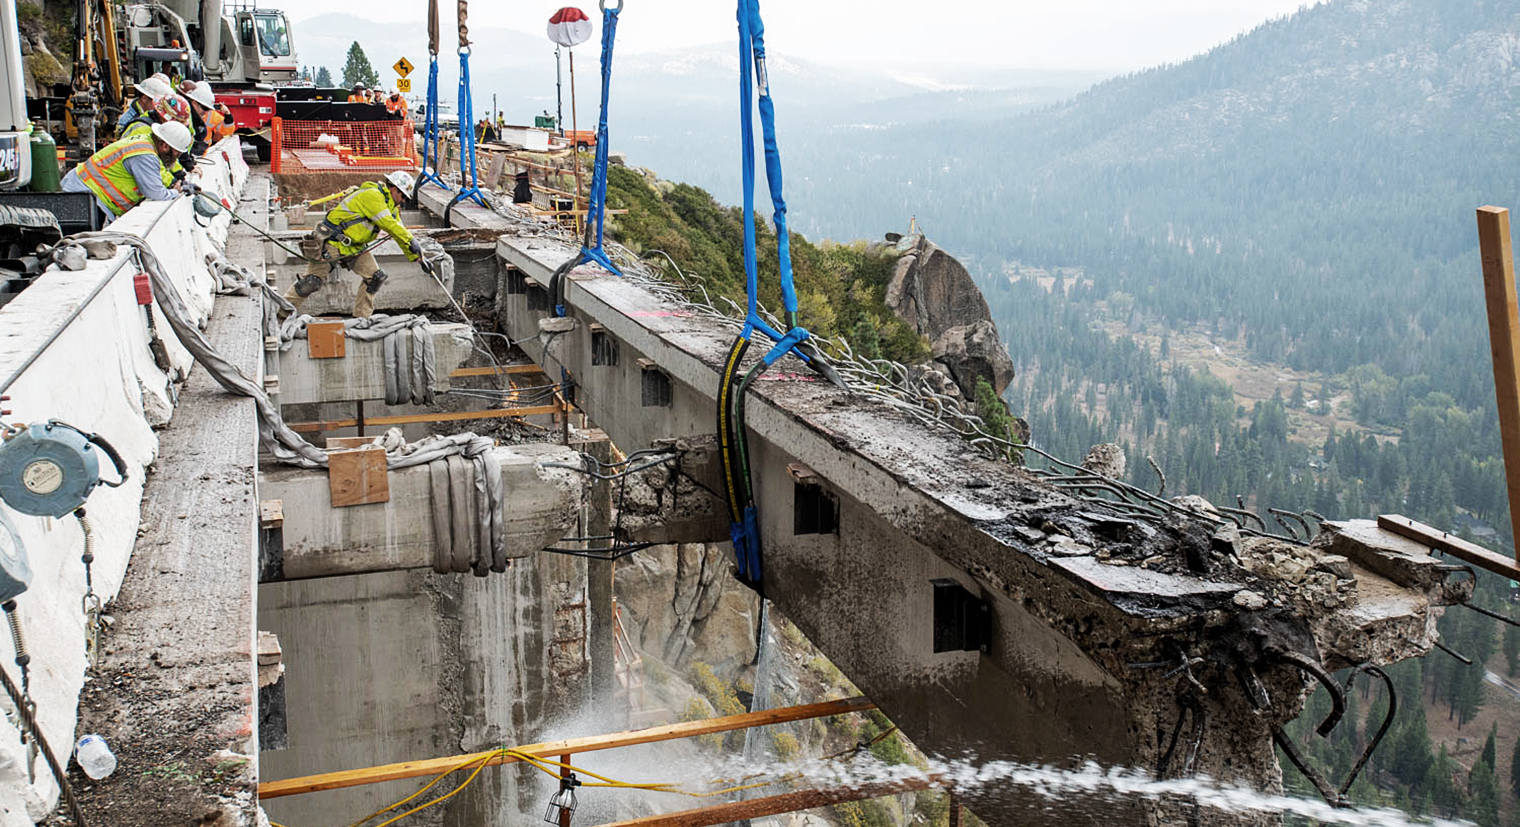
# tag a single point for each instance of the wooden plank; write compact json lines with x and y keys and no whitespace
{"x":358,"y":477}
{"x":410,"y":419}
{"x":1450,"y":544}
{"x":571,"y":746}
{"x":772,"y":805}
{"x":1504,"y":344}
{"x":348,"y":443}
{"x":325,"y":340}
{"x":271,"y":514}
{"x":496,"y":370}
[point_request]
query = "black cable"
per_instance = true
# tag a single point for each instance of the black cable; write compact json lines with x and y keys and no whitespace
{"x":30,"y":722}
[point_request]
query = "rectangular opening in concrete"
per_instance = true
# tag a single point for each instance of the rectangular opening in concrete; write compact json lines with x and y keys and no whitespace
{"x":656,"y":388}
{"x":814,"y":510}
{"x":538,"y":298}
{"x":517,"y":283}
{"x":604,"y":348}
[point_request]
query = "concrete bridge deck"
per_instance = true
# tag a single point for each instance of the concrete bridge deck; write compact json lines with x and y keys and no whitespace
{"x":1073,"y":592}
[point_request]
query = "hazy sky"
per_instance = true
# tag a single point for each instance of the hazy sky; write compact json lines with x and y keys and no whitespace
{"x":1079,"y":34}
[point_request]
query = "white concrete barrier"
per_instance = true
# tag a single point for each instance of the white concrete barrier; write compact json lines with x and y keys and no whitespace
{"x":74,"y":346}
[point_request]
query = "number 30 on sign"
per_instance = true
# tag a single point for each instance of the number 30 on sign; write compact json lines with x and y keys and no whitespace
{"x":404,"y":85}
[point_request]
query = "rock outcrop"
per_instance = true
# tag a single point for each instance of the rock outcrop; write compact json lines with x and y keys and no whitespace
{"x":933,"y":293}
{"x":680,"y":605}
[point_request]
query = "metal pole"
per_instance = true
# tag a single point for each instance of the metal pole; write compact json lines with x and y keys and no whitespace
{"x":559,"y":95}
{"x":575,"y":129}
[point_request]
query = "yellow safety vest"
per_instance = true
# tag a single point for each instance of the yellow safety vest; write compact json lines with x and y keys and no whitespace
{"x":106,"y":173}
{"x":360,"y":217}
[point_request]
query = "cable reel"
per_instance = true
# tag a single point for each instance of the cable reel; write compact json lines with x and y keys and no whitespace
{"x":49,"y":469}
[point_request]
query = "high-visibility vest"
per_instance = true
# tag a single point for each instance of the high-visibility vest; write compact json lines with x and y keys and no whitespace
{"x":395,"y":104}
{"x":106,"y":174}
{"x":357,"y":99}
{"x":218,"y":126}
{"x":354,"y":222}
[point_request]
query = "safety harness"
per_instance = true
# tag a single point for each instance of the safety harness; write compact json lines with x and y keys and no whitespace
{"x":744,"y":529}
{"x":596,"y":208}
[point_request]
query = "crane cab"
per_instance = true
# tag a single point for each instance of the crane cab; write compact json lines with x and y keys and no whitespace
{"x":265,"y":49}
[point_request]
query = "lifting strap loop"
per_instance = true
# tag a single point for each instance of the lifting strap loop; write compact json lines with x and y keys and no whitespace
{"x":596,"y":207}
{"x":431,"y":156}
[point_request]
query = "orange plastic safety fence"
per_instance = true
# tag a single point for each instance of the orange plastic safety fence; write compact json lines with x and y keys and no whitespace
{"x":348,"y":146}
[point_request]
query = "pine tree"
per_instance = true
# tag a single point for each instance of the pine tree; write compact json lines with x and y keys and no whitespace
{"x":865,"y":339}
{"x":323,"y":78}
{"x":1296,"y":399}
{"x":1514,"y":768}
{"x":357,"y":70}
{"x":1491,"y":747}
{"x":1512,"y":648}
{"x":1483,"y":803}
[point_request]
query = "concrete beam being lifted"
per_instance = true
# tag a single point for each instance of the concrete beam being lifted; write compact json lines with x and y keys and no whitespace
{"x":1065,"y":595}
{"x":320,"y":541}
{"x":360,"y":372}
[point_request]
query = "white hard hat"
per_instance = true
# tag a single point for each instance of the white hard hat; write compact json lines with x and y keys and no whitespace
{"x":400,"y":180}
{"x":199,"y":92}
{"x":175,"y":134}
{"x":155,"y":87}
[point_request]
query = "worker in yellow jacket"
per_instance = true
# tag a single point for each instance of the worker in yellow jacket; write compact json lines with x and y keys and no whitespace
{"x":131,"y":170}
{"x":348,"y":231}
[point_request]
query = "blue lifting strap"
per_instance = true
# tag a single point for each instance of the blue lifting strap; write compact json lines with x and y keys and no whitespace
{"x":430,"y":153}
{"x":596,"y":207}
{"x":470,"y":189}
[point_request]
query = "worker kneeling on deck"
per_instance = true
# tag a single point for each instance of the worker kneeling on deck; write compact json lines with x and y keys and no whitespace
{"x":131,"y":170}
{"x":347,"y":233}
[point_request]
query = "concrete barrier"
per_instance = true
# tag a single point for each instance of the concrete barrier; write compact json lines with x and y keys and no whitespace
{"x":74,"y":346}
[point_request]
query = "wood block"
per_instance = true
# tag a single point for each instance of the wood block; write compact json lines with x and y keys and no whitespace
{"x":271,"y":384}
{"x":271,"y":514}
{"x":347,"y":443}
{"x":325,"y":340}
{"x":358,"y":477}
{"x":1450,"y":544}
{"x":271,"y":343}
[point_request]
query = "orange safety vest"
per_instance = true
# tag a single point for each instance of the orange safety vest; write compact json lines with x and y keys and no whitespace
{"x":218,"y":127}
{"x":395,"y":104}
{"x":357,"y":99}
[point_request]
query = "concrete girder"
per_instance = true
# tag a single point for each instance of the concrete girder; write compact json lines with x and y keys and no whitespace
{"x":320,"y":541}
{"x":407,"y":289}
{"x":1052,"y":684}
{"x":360,"y":372}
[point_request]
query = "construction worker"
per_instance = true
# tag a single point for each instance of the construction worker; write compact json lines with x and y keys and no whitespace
{"x":359,"y":94}
{"x":395,"y":105}
{"x":131,"y":170}
{"x":150,"y":90}
{"x":168,"y":109}
{"x":345,"y":235}
{"x":221,"y":123}
{"x":202,"y":103}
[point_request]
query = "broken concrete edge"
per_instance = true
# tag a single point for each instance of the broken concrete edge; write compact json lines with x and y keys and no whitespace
{"x":360,"y":373}
{"x":540,"y":502}
{"x":97,"y":374}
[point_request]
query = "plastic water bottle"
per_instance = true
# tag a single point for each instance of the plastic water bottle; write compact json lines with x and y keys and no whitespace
{"x":94,"y":757}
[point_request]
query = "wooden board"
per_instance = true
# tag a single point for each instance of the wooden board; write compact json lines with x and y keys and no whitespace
{"x":358,"y":477}
{"x":493,"y":371}
{"x":736,"y":811}
{"x":271,"y":514}
{"x":325,"y":340}
{"x":572,"y":746}
{"x":1504,"y":343}
{"x":412,"y":419}
{"x":1450,"y":544}
{"x":347,"y":443}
